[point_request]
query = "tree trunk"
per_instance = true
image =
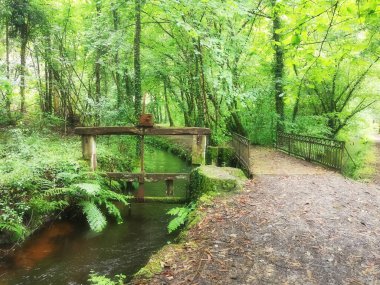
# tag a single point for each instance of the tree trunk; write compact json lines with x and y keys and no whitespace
{"x":137,"y":70}
{"x":278,"y":68}
{"x":202,"y":85}
{"x":137,"y":64}
{"x":98,"y":68}
{"x":167,"y":103}
{"x":120,"y":95}
{"x":7,"y":95}
{"x":24,"y":42}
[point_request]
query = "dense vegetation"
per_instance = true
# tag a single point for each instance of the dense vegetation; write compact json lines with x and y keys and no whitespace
{"x":42,"y":177}
{"x":229,"y":65}
{"x":252,"y":67}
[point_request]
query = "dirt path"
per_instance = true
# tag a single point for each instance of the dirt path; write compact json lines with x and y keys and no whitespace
{"x":295,"y":223}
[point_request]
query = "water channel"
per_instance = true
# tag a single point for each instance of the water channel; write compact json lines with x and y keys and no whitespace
{"x":65,"y":252}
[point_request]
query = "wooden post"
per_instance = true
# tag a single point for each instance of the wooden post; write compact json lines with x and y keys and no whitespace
{"x":169,"y":187}
{"x":309,"y":152}
{"x":199,"y":149}
{"x":89,"y":150}
{"x":140,"y":191}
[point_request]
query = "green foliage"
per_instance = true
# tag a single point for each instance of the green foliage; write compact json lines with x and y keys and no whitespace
{"x":97,"y":279}
{"x":309,"y":125}
{"x":167,"y":145}
{"x":37,"y":183}
{"x":17,"y":231}
{"x":181,"y":216}
{"x":94,"y":216}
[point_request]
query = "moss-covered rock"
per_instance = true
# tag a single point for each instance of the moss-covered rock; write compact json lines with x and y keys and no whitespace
{"x":156,"y":263}
{"x":210,"y":178}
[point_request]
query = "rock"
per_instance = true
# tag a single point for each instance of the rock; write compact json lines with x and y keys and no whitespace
{"x":211,"y":178}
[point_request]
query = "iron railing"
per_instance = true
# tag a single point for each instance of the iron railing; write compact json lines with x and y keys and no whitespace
{"x":324,"y":151}
{"x":242,"y":147}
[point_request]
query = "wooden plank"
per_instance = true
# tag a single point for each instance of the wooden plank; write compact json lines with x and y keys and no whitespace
{"x":97,"y":131}
{"x":148,"y":177}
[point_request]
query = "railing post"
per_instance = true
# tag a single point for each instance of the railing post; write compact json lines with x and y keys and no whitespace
{"x":342,"y":147}
{"x":89,"y":150}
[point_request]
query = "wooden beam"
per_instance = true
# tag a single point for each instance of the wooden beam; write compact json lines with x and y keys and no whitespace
{"x":97,"y":131}
{"x":148,"y":177}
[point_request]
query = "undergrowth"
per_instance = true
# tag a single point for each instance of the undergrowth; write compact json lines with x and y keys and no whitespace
{"x":42,"y":174}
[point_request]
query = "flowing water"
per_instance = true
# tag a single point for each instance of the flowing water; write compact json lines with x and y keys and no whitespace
{"x":66,"y":252}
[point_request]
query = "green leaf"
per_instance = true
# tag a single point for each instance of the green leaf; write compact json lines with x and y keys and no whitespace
{"x":94,"y":216}
{"x":88,"y":188}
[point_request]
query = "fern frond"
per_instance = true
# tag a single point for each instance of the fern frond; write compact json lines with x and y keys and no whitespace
{"x":94,"y":216}
{"x":111,"y":195}
{"x":17,"y":230}
{"x":182,"y":214}
{"x":43,"y":206}
{"x":67,"y":177}
{"x":113,"y":211}
{"x":56,"y":192}
{"x":88,"y":188}
{"x":44,"y":184}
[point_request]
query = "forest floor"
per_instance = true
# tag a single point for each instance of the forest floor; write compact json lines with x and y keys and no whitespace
{"x":294,"y":223}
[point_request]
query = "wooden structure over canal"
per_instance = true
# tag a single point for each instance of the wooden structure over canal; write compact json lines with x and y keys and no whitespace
{"x":198,"y":151}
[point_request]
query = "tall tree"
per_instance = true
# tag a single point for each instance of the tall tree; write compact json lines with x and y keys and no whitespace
{"x":278,"y":68}
{"x":137,"y":63}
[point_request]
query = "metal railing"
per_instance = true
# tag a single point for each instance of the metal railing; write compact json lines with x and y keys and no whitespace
{"x":324,"y":151}
{"x":242,"y":147}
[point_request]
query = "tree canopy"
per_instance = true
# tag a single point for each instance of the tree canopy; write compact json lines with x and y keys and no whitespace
{"x":252,"y":67}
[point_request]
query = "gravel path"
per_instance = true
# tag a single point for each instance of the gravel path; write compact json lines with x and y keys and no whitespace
{"x":295,"y":223}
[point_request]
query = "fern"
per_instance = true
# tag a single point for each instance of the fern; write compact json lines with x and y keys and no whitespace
{"x":67,"y":177}
{"x":111,"y":195}
{"x":17,"y":230}
{"x":57,"y":192}
{"x":96,"y":279}
{"x":43,"y":206}
{"x":94,"y":216}
{"x":113,"y":211}
{"x":182,"y":216}
{"x":89,"y":189}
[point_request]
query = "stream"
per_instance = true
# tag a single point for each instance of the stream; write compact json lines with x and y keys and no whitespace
{"x":65,"y":252}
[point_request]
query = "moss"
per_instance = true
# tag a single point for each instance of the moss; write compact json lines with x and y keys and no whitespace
{"x":165,"y":200}
{"x":153,"y":267}
{"x":226,"y":156}
{"x":212,"y":153}
{"x":170,"y":146}
{"x":210,"y":178}
{"x":156,"y":263}
{"x":220,"y":156}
